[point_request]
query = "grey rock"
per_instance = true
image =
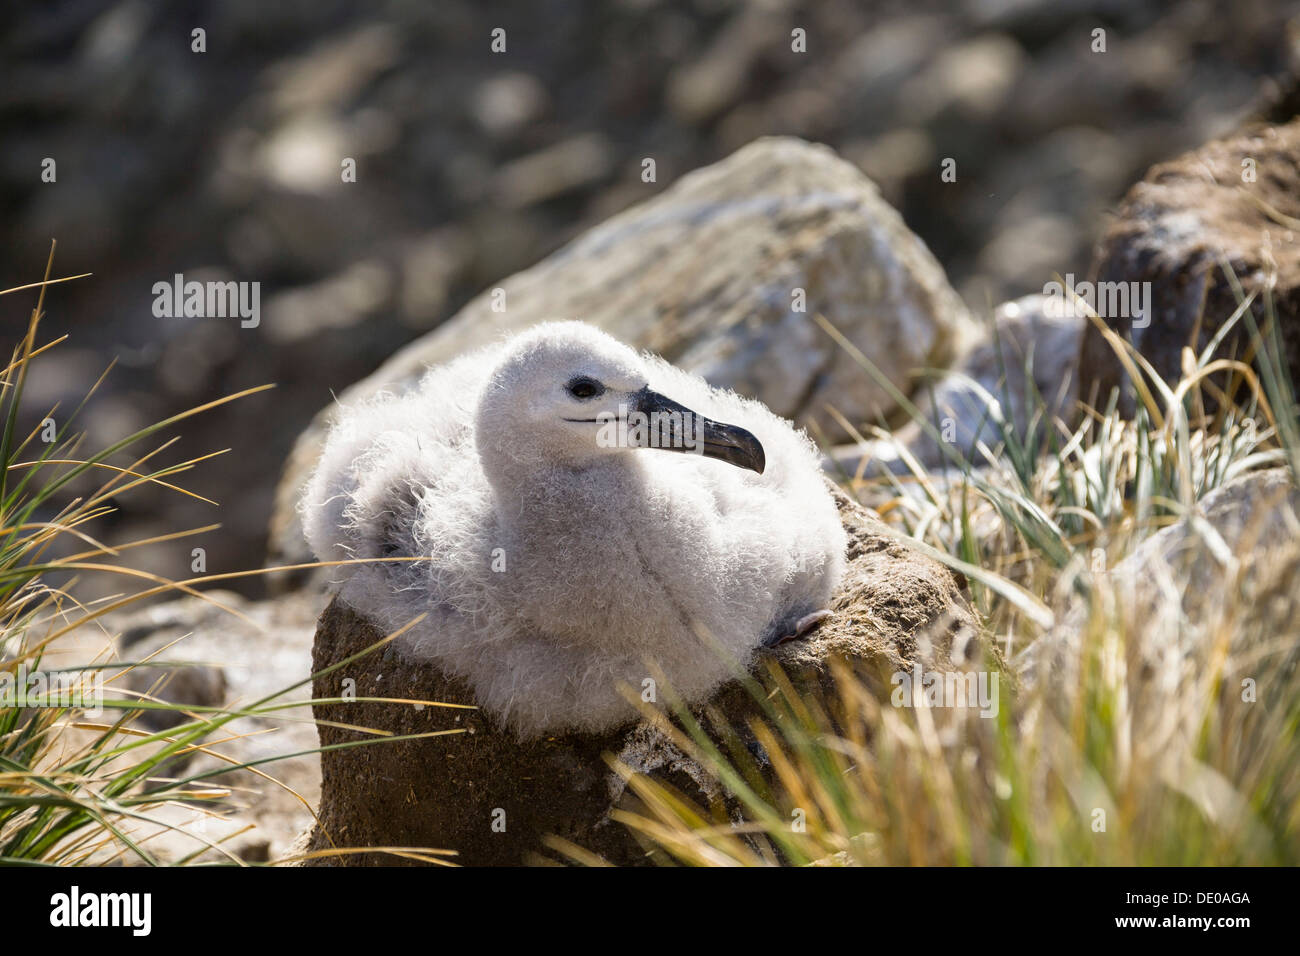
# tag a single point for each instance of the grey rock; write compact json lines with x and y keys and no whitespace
{"x":972,"y":77}
{"x":504,"y":105}
{"x":554,"y":171}
{"x":716,"y":78}
{"x":1027,"y":357}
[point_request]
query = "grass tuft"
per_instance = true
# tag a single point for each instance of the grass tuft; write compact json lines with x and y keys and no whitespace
{"x":1154,"y":731}
{"x":80,"y":781}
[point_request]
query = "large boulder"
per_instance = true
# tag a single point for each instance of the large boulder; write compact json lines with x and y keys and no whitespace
{"x":1235,"y":200}
{"x":721,"y":275}
{"x":493,"y":799}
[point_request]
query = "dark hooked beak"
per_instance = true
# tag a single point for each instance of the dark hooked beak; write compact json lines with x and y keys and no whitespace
{"x":674,"y":427}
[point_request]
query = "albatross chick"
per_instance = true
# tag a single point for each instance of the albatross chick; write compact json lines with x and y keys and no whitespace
{"x":587,"y":517}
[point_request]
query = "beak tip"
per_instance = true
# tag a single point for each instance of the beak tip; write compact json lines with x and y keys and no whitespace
{"x":748,"y":453}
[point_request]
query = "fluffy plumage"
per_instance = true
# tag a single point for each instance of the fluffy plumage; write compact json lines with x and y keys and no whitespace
{"x":560,"y":567}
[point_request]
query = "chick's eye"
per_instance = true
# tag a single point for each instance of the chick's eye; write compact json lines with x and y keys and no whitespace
{"x":584,"y":388}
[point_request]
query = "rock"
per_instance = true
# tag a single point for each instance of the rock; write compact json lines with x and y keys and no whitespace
{"x":716,"y":79}
{"x":876,"y":63}
{"x":892,"y":158}
{"x":1032,"y":333}
{"x":506,"y":104}
{"x":190,"y":684}
{"x":895,"y":608}
{"x":706,"y":275}
{"x":972,"y":77}
{"x":554,"y":171}
{"x":334,"y":72}
{"x":339,"y":302}
{"x":1171,"y":231}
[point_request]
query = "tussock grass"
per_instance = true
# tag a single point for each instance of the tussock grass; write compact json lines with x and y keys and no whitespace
{"x":1131,"y":741}
{"x":80,"y":781}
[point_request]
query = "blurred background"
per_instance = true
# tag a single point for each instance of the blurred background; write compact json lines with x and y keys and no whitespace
{"x":471,"y":165}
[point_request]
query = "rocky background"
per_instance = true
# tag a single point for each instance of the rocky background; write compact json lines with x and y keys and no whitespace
{"x":473,"y":165}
